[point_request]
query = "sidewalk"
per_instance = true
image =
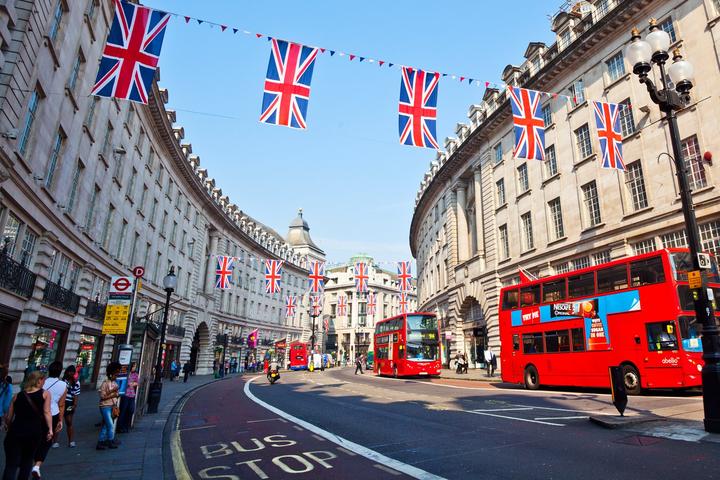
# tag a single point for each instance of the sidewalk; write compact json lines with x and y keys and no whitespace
{"x":138,"y":457}
{"x":476,"y":374}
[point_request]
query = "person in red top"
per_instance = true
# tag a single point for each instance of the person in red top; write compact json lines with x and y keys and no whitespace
{"x":127,"y":401}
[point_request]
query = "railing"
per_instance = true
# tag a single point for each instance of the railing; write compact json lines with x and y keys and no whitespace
{"x":60,"y":297}
{"x":95,"y":310}
{"x":175,"y":330}
{"x":16,"y":277}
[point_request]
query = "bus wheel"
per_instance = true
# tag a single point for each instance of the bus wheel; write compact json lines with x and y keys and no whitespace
{"x":395,"y":371}
{"x":532,"y":378}
{"x":631,"y":377}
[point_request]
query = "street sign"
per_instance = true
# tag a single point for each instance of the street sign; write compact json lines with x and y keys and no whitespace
{"x":704,"y":261}
{"x":120,"y":286}
{"x":138,"y":271}
{"x":116,"y":317}
{"x":695,"y":279}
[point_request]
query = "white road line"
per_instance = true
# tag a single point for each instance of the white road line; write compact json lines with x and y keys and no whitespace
{"x":560,"y":418}
{"x":501,"y":409}
{"x":197,"y":428}
{"x":264,"y":420}
{"x":346,"y":451}
{"x":515,"y":418}
{"x":386,"y":469}
{"x":555,"y":409}
{"x":347,"y":444}
{"x":318,"y":437}
{"x":297,"y":428}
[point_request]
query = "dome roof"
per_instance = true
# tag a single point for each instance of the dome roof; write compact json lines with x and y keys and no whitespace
{"x":299,"y":233}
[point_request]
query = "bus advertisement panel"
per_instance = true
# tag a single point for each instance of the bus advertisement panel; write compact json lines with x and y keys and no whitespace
{"x":407,"y":345}
{"x":637,"y":312}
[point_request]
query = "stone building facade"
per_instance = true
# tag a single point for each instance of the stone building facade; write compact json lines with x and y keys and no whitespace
{"x":481,"y":214}
{"x":90,"y":187}
{"x":353,"y":332}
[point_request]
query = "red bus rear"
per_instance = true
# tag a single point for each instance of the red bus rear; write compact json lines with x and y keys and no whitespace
{"x":298,"y":356}
{"x":636,"y":312}
{"x":407,"y":345}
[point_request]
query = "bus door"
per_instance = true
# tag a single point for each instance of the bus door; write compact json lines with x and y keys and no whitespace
{"x":391,"y":352}
{"x":509,"y":359}
{"x":663,"y":353}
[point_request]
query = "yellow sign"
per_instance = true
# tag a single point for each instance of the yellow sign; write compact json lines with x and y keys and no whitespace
{"x":116,"y":317}
{"x":694,"y":279}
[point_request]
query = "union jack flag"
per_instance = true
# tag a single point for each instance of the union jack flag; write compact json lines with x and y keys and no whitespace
{"x":290,"y":306}
{"x":287,"y":84}
{"x":326,"y":324}
{"x":371,"y":303}
{"x":223,"y":272}
{"x":418,"y":108}
{"x":316,"y":305}
{"x":607,"y":120}
{"x":131,"y":53}
{"x":342,"y":306}
{"x":403,"y":303}
{"x":361,"y":277}
{"x":317,"y":276}
{"x":404,"y":276}
{"x":273,"y":274}
{"x":529,"y":123}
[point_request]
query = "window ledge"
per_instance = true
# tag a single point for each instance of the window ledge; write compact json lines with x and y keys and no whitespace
{"x":101,"y":156}
{"x":550,"y":179}
{"x":594,"y":227}
{"x":624,"y":76}
{"x":129,"y":199}
{"x":497,"y":164}
{"x":86,"y":129}
{"x":592,"y":156}
{"x":633,"y":135}
{"x":501,"y":207}
{"x":527,"y":252}
{"x":550,"y":126}
{"x":577,"y":107}
{"x":69,"y":93}
{"x":53,"y":52}
{"x":116,"y":180}
{"x":140,"y":212}
{"x":557,"y":240}
{"x":526,"y":192}
{"x":504,"y":260}
{"x":697,"y":192}
{"x":88,"y":22}
{"x":637,"y":212}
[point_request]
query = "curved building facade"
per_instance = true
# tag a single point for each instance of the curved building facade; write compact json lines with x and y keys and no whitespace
{"x":90,"y":187}
{"x":481,"y":214}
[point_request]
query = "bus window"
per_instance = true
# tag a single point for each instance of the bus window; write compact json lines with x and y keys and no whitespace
{"x":529,"y":296}
{"x":532,"y":342}
{"x":554,"y":291}
{"x":581,"y":285}
{"x":685,"y":297}
{"x":557,"y":341}
{"x":661,"y":336}
{"x":510,"y":299}
{"x":647,"y":272}
{"x":612,"y":278}
{"x":516,"y":342}
{"x":690,"y":333}
{"x":578,"y":340}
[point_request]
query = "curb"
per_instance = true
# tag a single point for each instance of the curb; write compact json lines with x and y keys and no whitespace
{"x":615,"y":422}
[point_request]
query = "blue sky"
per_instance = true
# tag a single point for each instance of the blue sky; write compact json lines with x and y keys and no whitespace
{"x":354,"y":181}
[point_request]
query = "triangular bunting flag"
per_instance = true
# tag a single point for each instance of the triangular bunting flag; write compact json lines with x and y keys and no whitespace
{"x":470,"y":80}
{"x":362,"y":58}
{"x":223,"y":28}
{"x":332,"y":52}
{"x":461,"y":79}
{"x":235,"y":30}
{"x":187,"y":19}
{"x":390,"y":64}
{"x":352,"y":57}
{"x":322,"y":50}
{"x":258,"y":35}
{"x":380,"y":62}
{"x":487,"y":84}
{"x":444,"y":74}
{"x":199,"y":21}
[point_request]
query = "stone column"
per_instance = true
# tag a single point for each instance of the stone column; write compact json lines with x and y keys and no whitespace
{"x":462,"y":229}
{"x":210,"y":273}
{"x":84,"y":290}
{"x":479,"y":216}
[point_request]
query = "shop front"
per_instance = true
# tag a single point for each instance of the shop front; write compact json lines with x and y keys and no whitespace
{"x":9,"y":319}
{"x":87,"y":360}
{"x":475,"y":342}
{"x":171,"y":354}
{"x":47,"y":344}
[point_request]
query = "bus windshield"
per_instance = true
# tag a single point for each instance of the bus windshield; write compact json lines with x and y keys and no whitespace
{"x":682,"y":263}
{"x":422,"y":337}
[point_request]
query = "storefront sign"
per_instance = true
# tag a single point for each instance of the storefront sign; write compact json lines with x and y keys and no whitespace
{"x":116,"y":317}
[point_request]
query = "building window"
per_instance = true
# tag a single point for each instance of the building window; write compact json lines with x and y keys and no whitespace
{"x":563,"y":267}
{"x":74,"y":186}
{"x":556,"y":219}
{"x":106,"y":140}
{"x":151,"y":159}
{"x":498,"y":153}
{"x":90,"y":217}
{"x":601,"y":257}
{"x":644,"y":246}
{"x":74,"y":73}
{"x":107,"y":227}
{"x":710,"y":237}
{"x":677,"y":239}
{"x":547,"y":114}
{"x":582,"y":262}
{"x":527,"y":231}
{"x":668,"y":26}
{"x":28,"y":247}
{"x":694,"y":163}
{"x":121,"y":240}
{"x":635,"y":184}
{"x":91,"y":112}
{"x":601,"y":8}
{"x":500,"y":185}
{"x":550,"y":162}
{"x":616,"y":66}
{"x":716,"y":6}
{"x":54,"y":156}
{"x":163,"y":225}
{"x":29,"y":120}
{"x":564,"y":38}
{"x":131,"y":184}
{"x":57,"y":20}
{"x":153,"y":210}
{"x":627,"y":122}
{"x":582,"y":140}
{"x":523,"y":181}
{"x":577,"y":92}
{"x":504,"y":243}
{"x":591,"y":203}
{"x":10,"y":234}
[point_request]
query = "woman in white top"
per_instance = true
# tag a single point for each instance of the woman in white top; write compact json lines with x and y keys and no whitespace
{"x":57,"y":389}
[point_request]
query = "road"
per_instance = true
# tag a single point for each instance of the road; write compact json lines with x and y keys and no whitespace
{"x":410,"y":428}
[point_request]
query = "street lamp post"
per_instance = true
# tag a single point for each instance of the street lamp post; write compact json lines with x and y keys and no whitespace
{"x":312,"y":330}
{"x":169,"y":283}
{"x":226,"y":331}
{"x":642,"y":54}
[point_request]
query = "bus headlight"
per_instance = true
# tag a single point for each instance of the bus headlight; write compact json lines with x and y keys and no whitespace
{"x":699,"y":367}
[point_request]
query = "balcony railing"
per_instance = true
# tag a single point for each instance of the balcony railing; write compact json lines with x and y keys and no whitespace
{"x":176,"y":330}
{"x":95,"y":310}
{"x":60,"y":297}
{"x":16,"y":277}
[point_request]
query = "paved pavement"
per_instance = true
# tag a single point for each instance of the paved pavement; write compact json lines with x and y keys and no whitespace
{"x":139,"y":456}
{"x":477,"y":374}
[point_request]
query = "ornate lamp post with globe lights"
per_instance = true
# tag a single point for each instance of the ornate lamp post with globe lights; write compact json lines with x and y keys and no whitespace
{"x":672,"y":95}
{"x":155,"y":392}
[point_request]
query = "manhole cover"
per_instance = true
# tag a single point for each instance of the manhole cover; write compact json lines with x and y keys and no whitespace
{"x":639,"y":440}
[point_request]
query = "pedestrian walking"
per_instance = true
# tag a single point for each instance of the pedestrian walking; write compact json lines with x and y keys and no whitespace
{"x":173,"y":368}
{"x":358,"y":364}
{"x":72,"y":393}
{"x":57,"y":389}
{"x":6,"y":392}
{"x":109,"y":393}
{"x":490,"y":362}
{"x":127,"y":401}
{"x":186,"y":372}
{"x":29,"y":423}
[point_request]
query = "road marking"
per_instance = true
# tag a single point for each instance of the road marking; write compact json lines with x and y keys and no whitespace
{"x":346,"y":451}
{"x":297,"y":428}
{"x":501,"y":409}
{"x":179,"y":464}
{"x":265,"y":420}
{"x":515,"y":418}
{"x":352,"y":446}
{"x":386,"y":469}
{"x":560,"y":418}
{"x":197,"y":428}
{"x":318,"y":437}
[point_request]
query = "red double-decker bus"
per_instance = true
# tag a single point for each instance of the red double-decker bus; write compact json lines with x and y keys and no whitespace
{"x":298,"y":355}
{"x":637,"y":312}
{"x":407,"y":345}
